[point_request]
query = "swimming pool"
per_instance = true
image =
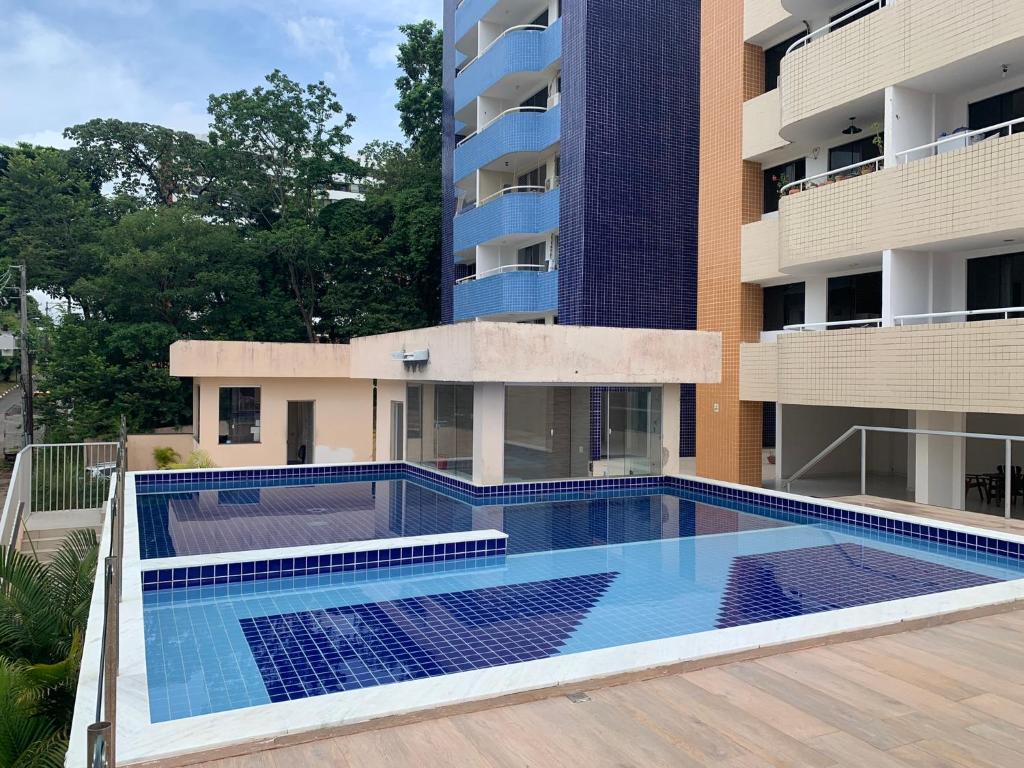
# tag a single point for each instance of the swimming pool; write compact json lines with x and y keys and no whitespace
{"x":585,"y":569}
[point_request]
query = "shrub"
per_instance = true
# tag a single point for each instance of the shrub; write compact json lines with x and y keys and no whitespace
{"x":165,"y":457}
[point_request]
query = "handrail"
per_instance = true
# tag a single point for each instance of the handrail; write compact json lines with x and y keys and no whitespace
{"x":493,"y":120}
{"x":511,"y":191}
{"x":501,"y":270}
{"x":828,"y":27}
{"x":960,"y":136}
{"x":1004,"y":311}
{"x":495,"y":41}
{"x":871,"y":322}
{"x":1009,"y":440}
{"x":878,"y":162}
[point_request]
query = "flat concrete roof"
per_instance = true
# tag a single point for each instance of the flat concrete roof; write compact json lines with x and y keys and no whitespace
{"x":473,"y":352}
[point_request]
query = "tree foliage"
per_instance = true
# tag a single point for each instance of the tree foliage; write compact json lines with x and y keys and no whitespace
{"x":148,"y":235}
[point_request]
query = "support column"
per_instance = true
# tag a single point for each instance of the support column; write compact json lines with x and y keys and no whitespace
{"x":906,"y":284}
{"x":816,"y":300}
{"x":488,"y":433}
{"x":940,"y":461}
{"x":670,"y":400}
{"x":387,"y":391}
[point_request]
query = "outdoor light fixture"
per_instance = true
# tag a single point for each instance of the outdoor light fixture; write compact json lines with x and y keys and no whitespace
{"x":851,"y":129}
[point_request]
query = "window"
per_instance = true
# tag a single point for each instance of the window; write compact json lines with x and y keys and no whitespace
{"x":532,"y":255}
{"x":539,"y":99}
{"x":534,"y":178}
{"x":414,"y":413}
{"x":994,"y":282}
{"x":197,"y":412}
{"x":855,"y":17}
{"x":778,"y":177}
{"x":542,"y":20}
{"x":239,"y":415}
{"x":783,"y":305}
{"x":997,"y":109}
{"x":773,"y":62}
{"x":855,"y":297}
{"x":855,"y":152}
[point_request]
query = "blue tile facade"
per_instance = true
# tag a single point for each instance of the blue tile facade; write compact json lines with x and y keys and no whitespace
{"x":524,"y":50}
{"x":511,"y":292}
{"x":511,"y":214}
{"x":465,"y":16}
{"x":515,"y":132}
{"x":448,"y":128}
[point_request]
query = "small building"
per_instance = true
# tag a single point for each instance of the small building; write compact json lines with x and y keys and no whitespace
{"x":490,"y":402}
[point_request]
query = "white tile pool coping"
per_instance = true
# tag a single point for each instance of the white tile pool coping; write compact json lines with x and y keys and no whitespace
{"x":138,"y":740}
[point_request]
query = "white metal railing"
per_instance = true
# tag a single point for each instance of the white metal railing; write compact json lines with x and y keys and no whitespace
{"x":822,"y":31}
{"x":493,"y":120}
{"x":17,"y":503}
{"x":1004,"y":311}
{"x":1008,"y":440}
{"x":932,"y":147}
{"x":502,"y":270}
{"x":495,"y":41}
{"x":871,"y":322}
{"x":71,"y":476}
{"x":875,"y":163}
{"x":519,"y":190}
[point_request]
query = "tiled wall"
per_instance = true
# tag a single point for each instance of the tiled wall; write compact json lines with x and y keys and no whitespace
{"x":448,"y":128}
{"x":728,"y":430}
{"x":516,"y":213}
{"x":515,"y":132}
{"x":907,"y":39}
{"x":468,"y":14}
{"x":532,"y":292}
{"x":759,"y":249}
{"x":760,"y":15}
{"x":969,"y":192}
{"x":962,"y":367}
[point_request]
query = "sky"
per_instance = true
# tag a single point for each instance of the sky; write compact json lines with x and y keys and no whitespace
{"x":63,"y":62}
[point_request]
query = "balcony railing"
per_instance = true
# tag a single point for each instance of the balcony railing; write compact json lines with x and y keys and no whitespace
{"x":502,"y":270}
{"x":830,"y":177}
{"x":498,"y":39}
{"x":963,"y":138}
{"x":995,"y":314}
{"x":839,"y":21}
{"x":872,"y":322}
{"x":518,"y":190}
{"x":495,"y":119}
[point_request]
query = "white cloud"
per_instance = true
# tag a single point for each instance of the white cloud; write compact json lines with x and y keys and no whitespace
{"x":53,"y":79}
{"x":319,"y":37}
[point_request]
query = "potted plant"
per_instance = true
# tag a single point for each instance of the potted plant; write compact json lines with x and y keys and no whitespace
{"x":879,"y":139}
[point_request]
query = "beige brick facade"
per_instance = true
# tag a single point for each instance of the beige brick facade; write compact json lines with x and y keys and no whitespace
{"x":969,"y":193}
{"x":960,"y":367}
{"x":889,"y":47}
{"x":759,"y":248}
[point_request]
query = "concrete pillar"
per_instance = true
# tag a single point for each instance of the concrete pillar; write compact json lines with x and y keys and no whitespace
{"x":488,"y":433}
{"x":906,"y":284}
{"x":909,"y":122}
{"x":670,"y":399}
{"x":939,"y":461}
{"x":816,"y":300}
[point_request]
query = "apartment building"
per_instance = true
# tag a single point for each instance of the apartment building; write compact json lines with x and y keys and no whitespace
{"x":862,"y":212}
{"x":570,"y":165}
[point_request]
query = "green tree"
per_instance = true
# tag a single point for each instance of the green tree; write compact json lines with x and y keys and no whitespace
{"x":419,"y":87}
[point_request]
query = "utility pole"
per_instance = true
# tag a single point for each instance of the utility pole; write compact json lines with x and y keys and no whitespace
{"x":26,"y":362}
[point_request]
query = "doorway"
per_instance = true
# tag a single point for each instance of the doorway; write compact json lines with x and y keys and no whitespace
{"x":300,"y":431}
{"x":397,"y":430}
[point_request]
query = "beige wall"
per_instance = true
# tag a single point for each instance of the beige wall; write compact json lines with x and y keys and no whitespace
{"x":259,"y":359}
{"x":761,"y":123}
{"x":759,"y":250}
{"x":907,"y":39}
{"x":387,"y":392}
{"x":974,"y":195}
{"x":759,"y":16}
{"x":140,"y":448}
{"x":543,"y":354}
{"x":959,"y":367}
{"x":343,"y":420}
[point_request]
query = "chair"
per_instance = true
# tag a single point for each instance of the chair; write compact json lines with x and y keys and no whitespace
{"x":997,"y":484}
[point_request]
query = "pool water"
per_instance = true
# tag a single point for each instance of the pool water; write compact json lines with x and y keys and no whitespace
{"x":581,"y":575}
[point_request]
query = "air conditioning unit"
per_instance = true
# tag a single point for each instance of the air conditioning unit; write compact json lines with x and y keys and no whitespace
{"x":551,"y":182}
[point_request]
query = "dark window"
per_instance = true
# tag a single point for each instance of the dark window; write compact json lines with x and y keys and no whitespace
{"x":855,"y":297}
{"x":994,"y":282}
{"x":542,"y":20}
{"x":778,"y":177}
{"x":773,"y":62}
{"x":855,"y":17}
{"x":239,"y":415}
{"x":855,"y":152}
{"x":531,"y":254}
{"x":414,"y":411}
{"x":534,"y":178}
{"x":783,"y":305}
{"x":539,"y":99}
{"x":997,"y":109}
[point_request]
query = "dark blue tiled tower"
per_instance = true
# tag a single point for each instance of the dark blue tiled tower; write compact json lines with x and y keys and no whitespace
{"x":628,"y":144}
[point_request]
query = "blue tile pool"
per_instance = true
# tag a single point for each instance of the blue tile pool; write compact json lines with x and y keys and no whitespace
{"x":610,"y":568}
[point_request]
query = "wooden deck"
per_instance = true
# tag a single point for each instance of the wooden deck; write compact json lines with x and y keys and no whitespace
{"x":946,"y":696}
{"x":994,"y":521}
